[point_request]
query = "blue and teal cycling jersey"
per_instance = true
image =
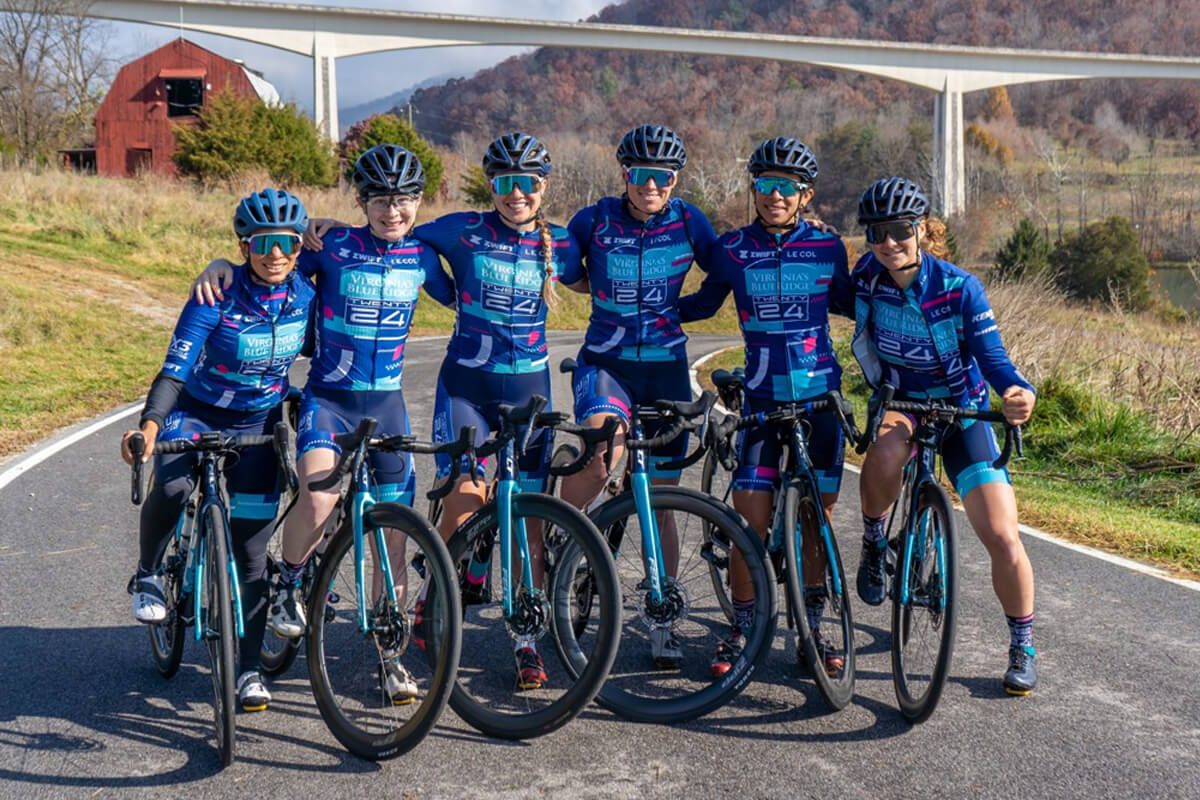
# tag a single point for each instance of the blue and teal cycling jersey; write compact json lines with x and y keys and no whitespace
{"x":236,"y":355}
{"x":366,"y":297}
{"x":498,"y":275}
{"x":636,"y":271}
{"x":936,"y":338}
{"x":784,"y":286}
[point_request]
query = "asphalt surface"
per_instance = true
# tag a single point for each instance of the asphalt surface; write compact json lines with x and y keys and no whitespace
{"x":84,"y":714}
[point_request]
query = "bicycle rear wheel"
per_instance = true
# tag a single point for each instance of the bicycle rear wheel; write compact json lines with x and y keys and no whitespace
{"x":486,"y":693}
{"x":923,"y":627}
{"x":717,"y":483}
{"x":167,"y":637}
{"x":351,"y":670}
{"x":692,"y":610}
{"x":219,"y":633}
{"x":831,"y":666}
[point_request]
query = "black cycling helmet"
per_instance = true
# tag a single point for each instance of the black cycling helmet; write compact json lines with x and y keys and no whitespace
{"x":388,"y":169}
{"x":892,"y":199}
{"x":784,"y":154}
{"x":270,"y":208}
{"x":656,"y":145}
{"x":516,"y":152}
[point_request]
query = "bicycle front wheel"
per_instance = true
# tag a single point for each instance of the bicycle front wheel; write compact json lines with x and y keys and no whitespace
{"x":219,"y":634}
{"x":493,"y":693}
{"x":380,"y":690}
{"x":923,"y":622}
{"x":278,"y":653}
{"x":820,"y":595}
{"x":167,"y":637}
{"x":717,"y":483}
{"x":663,"y":671}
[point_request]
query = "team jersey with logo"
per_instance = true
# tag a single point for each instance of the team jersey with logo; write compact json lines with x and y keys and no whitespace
{"x":498,"y":276}
{"x":236,"y":355}
{"x":784,"y":287}
{"x":636,"y":271}
{"x":366,"y":297}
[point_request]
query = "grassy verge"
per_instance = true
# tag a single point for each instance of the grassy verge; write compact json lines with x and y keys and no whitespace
{"x":1096,"y":472}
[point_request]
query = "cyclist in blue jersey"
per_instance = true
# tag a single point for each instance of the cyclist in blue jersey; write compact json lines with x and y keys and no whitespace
{"x":637,"y":249}
{"x":227,"y":370}
{"x":925,"y":326}
{"x":504,"y":262}
{"x":367,"y":279}
{"x":786,"y":277}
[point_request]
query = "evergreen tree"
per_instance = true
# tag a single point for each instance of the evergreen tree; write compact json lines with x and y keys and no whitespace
{"x":390,"y":129}
{"x":1026,"y":252}
{"x":1104,"y":260}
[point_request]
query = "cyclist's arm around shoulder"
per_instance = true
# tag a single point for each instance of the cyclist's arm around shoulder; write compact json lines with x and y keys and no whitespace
{"x":709,"y":298}
{"x":580,"y":227}
{"x":702,"y":236}
{"x":437,"y":283}
{"x":569,"y":261}
{"x":210,"y":285}
{"x":841,"y":288}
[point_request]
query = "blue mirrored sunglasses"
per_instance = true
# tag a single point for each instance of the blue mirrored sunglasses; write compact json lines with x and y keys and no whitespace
{"x":785,"y":186}
{"x":900,"y":231}
{"x":528,"y":184}
{"x":262,"y":244}
{"x":640,"y":176}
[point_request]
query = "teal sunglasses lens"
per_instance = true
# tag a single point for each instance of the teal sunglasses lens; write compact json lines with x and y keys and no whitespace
{"x":785,"y":186}
{"x":503,"y":184}
{"x":262,"y":244}
{"x":640,"y":176}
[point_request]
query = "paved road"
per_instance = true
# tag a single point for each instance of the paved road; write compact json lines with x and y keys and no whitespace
{"x":84,"y":714}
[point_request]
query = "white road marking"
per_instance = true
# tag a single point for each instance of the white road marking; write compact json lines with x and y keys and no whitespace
{"x":1120,"y":561}
{"x":45,"y":451}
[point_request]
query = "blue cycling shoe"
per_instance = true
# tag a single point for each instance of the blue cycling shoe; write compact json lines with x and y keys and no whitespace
{"x":872,"y":574}
{"x":1021,"y":676}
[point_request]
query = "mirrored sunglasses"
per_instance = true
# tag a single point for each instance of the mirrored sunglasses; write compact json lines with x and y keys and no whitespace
{"x":785,"y":186}
{"x":262,"y":244}
{"x":900,"y":231}
{"x":640,"y":176}
{"x":528,"y":184}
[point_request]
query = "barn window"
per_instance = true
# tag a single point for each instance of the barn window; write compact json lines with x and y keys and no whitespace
{"x":185,"y":96}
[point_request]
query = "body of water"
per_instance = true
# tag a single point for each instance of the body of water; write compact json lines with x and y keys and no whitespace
{"x":1177,"y":286}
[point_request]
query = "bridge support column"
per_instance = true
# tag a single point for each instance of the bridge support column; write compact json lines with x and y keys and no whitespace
{"x":325,"y":107}
{"x":948,"y":147}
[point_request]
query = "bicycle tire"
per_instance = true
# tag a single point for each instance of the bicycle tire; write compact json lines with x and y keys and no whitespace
{"x":700,"y":629}
{"x":484,"y":695}
{"x":220,"y":635}
{"x":802,"y":512}
{"x":167,"y":637}
{"x":345,"y":666}
{"x":718,"y":573}
{"x":920,"y":632}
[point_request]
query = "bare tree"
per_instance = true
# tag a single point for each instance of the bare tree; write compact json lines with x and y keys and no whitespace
{"x":1058,"y":161}
{"x":53,"y":70}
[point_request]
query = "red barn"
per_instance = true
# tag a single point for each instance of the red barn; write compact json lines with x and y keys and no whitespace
{"x":158,"y":90}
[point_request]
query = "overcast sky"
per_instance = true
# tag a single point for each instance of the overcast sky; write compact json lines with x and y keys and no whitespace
{"x":358,"y":77}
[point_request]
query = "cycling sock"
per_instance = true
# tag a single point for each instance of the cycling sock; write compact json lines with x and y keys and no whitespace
{"x":1021,"y":631}
{"x":814,"y":607}
{"x":743,"y":614}
{"x":289,"y":573}
{"x":523,"y":642}
{"x":874,"y":528}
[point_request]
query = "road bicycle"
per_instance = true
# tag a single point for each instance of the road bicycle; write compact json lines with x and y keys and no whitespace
{"x":200,"y":582}
{"x":504,"y":604}
{"x":384,"y":580}
{"x":669,"y":604}
{"x":923,"y":551}
{"x":800,"y":538}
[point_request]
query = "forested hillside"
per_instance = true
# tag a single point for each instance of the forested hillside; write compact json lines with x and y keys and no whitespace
{"x":603,"y":92}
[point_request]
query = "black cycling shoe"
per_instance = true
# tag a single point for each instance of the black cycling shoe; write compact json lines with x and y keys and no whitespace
{"x":872,"y":575}
{"x":1021,"y":676}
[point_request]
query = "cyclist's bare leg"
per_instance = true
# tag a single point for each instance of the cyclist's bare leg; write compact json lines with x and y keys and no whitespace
{"x":467,"y":498}
{"x":814,"y":545}
{"x":882,"y":470}
{"x":305,"y":523}
{"x":668,"y":534}
{"x":581,"y":488}
{"x":992,"y":510}
{"x":397,"y":546}
{"x":755,"y":506}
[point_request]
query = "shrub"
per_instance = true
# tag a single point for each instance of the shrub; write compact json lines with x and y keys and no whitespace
{"x":385,"y":129}
{"x":1104,"y":262}
{"x":475,"y":188}
{"x":235,"y":134}
{"x":1026,"y":252}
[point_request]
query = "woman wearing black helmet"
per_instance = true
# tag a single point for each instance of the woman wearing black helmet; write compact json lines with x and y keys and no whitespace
{"x":925,"y":326}
{"x":786,"y":277}
{"x":215,"y":378}
{"x":637,"y":249}
{"x":367,"y":279}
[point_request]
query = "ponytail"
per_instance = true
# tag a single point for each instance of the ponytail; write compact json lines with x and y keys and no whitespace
{"x":549,"y":297}
{"x":935,"y":241}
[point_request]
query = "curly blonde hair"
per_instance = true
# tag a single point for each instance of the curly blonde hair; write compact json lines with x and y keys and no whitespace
{"x":935,"y":242}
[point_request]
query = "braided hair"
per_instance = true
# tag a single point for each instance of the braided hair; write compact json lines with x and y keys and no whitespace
{"x":549,"y":297}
